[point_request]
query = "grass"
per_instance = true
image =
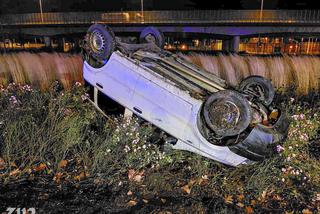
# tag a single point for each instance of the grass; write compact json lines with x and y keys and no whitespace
{"x":41,"y":130}
{"x":48,"y":127}
{"x":284,"y":71}
{"x":40,"y":69}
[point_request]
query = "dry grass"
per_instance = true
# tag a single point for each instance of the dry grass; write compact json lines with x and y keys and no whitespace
{"x":302,"y":72}
{"x":40,"y":69}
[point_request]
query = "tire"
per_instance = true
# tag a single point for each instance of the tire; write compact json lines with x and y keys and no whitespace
{"x":261,"y":88}
{"x":152,"y":34}
{"x":100,"y":42}
{"x":91,"y":61}
{"x":227,"y":113}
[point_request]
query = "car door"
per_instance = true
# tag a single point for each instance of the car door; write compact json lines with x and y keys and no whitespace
{"x":117,"y":81}
{"x":153,"y":102}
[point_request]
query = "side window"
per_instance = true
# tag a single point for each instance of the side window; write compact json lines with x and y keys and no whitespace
{"x":108,"y":105}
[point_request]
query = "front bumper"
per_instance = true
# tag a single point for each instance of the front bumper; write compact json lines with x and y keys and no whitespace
{"x":262,"y":141}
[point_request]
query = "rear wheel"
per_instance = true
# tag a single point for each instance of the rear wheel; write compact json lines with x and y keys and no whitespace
{"x":258,"y":87}
{"x":227,"y":113}
{"x":100,"y":44}
{"x":152,"y":35}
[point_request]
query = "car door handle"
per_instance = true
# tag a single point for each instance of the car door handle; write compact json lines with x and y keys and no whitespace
{"x":137,"y":110}
{"x":99,"y":85}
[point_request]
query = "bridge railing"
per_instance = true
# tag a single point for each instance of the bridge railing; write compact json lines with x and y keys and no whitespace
{"x":166,"y":17}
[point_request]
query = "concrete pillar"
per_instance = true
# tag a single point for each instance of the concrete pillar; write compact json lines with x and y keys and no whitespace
{"x":47,"y":42}
{"x":236,"y":44}
{"x":226,"y":45}
{"x":231,"y":44}
{"x":64,"y":44}
{"x":61,"y":44}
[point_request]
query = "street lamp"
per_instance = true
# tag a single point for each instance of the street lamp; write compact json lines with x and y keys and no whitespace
{"x":142,"y":10}
{"x":261,"y":10}
{"x":41,"y":14}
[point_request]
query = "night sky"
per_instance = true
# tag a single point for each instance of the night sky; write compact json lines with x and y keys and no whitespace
{"x":27,"y":6}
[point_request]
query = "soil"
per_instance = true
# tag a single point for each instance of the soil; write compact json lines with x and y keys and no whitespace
{"x":86,"y":196}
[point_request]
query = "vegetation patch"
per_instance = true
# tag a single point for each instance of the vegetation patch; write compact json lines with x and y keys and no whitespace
{"x":55,"y":148}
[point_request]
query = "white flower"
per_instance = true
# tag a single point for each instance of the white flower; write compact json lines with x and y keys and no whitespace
{"x":295,"y":117}
{"x":26,"y":88}
{"x":135,"y":141}
{"x":13,"y":100}
{"x":85,"y":97}
{"x":204,"y":177}
{"x":304,"y":137}
{"x":279,"y":148}
{"x":127,"y":149}
{"x":78,"y":84}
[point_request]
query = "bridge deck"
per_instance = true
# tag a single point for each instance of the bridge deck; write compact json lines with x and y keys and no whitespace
{"x":293,"y":17}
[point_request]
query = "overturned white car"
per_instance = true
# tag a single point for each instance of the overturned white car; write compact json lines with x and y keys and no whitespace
{"x":198,"y":110}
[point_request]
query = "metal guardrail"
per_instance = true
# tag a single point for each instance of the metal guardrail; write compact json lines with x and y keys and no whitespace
{"x":166,"y":17}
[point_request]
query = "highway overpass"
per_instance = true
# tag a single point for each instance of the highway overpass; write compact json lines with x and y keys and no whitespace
{"x":228,"y":24}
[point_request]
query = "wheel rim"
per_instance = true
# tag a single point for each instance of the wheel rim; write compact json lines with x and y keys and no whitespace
{"x":97,"y":41}
{"x":150,"y":38}
{"x":255,"y":90}
{"x":224,"y":115}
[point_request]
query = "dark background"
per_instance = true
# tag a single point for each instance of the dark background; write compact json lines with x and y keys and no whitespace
{"x":29,"y":6}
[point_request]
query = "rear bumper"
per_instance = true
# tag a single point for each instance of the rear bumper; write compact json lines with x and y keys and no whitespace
{"x":262,"y":141}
